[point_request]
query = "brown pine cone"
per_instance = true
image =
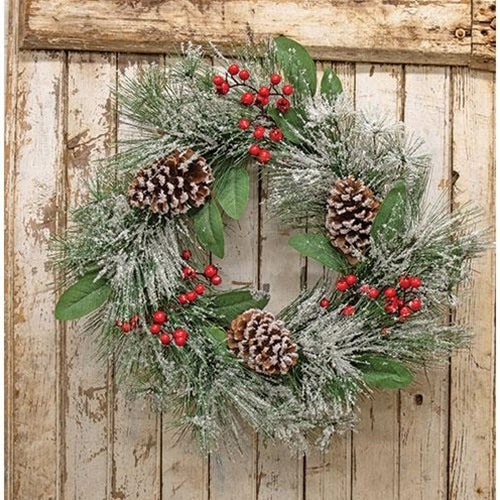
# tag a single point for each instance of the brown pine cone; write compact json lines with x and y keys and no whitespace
{"x":172,"y":184}
{"x":262,"y":342}
{"x":351,"y":209}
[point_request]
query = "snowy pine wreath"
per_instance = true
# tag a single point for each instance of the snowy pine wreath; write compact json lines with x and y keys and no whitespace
{"x":135,"y":259}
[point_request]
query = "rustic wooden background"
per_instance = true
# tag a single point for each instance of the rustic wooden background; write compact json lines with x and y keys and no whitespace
{"x":70,"y":435}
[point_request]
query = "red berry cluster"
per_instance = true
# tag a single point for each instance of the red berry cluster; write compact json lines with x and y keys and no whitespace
{"x":262,"y":125}
{"x":210,"y":272}
{"x":158,"y":328}
{"x":128,"y":326}
{"x":407,"y":301}
{"x":402,"y":305}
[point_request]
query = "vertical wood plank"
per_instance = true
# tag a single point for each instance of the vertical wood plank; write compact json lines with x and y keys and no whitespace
{"x":279,"y":473}
{"x":136,"y":447}
{"x":472,"y":379}
{"x":232,"y":475}
{"x":424,"y":405}
{"x":375,"y":446}
{"x":328,"y":474}
{"x":38,"y":196}
{"x":90,"y":132}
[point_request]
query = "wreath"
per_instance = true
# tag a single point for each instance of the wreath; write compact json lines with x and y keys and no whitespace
{"x":135,"y":259}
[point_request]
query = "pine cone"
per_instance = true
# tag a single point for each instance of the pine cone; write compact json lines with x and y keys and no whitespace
{"x":172,"y":184}
{"x":262,"y":342}
{"x":351,"y":209}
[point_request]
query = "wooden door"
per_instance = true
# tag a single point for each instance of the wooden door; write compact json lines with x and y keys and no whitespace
{"x":70,"y":434}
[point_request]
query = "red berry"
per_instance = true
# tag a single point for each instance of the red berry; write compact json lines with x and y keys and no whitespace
{"x":282,"y":104}
{"x":405,"y":311}
{"x":404,"y":282}
{"x":159,"y":317}
{"x":182,"y":298}
{"x":324,"y":303}
{"x":118,"y":323}
{"x":216,"y":280}
{"x":210,"y":271}
{"x":390,"y":292}
{"x":223,"y":88}
{"x":180,"y":340}
{"x":247,"y":98}
{"x":244,"y":123}
{"x":275,"y":134}
{"x":155,"y":328}
{"x":126,"y":327}
{"x":186,"y":254}
{"x":259,"y":132}
{"x":165,"y":338}
{"x":385,"y":330}
{"x":275,"y":78}
{"x":341,"y":285}
{"x":415,"y":304}
{"x":400,"y":302}
{"x":264,"y":91}
{"x":199,"y":289}
{"x":261,"y":100}
{"x":348,"y":310}
{"x":188,"y":272}
{"x":264,"y":156}
{"x":244,"y":74}
{"x":351,"y":279}
{"x":254,"y":149}
{"x":288,"y":89}
{"x":389,"y":308}
{"x":218,"y":80}
{"x":364,"y":288}
{"x":233,"y":69}
{"x":191,"y":296}
{"x":179,"y":332}
{"x":373,"y":293}
{"x":415,"y":282}
{"x":134,"y":320}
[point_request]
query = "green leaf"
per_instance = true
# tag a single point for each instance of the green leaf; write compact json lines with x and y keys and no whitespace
{"x":331,"y":85}
{"x":230,"y":304}
{"x":288,"y":122}
{"x":233,"y":191}
{"x":318,"y":247}
{"x":297,"y":65}
{"x":209,"y":229}
{"x":390,"y":219}
{"x":85,"y":296}
{"x":217,"y":334}
{"x":384,"y":373}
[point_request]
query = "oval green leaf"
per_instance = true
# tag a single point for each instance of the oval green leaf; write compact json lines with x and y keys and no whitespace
{"x":233,"y":191}
{"x":390,"y":219}
{"x":297,"y":65}
{"x":234,"y":302}
{"x":85,"y":296}
{"x":209,"y":229}
{"x":318,"y":247}
{"x":331,"y":86}
{"x":384,"y":373}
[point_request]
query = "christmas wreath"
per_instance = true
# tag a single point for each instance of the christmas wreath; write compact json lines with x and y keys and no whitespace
{"x":135,"y":259}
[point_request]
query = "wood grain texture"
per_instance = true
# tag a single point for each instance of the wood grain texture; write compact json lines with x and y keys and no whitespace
{"x":375,"y":447}
{"x":396,"y":31}
{"x":472,"y":411}
{"x":424,"y":405}
{"x":90,"y":135}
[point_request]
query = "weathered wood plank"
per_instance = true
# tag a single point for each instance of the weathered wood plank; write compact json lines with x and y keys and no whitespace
{"x":136,"y":451}
{"x":424,"y":405}
{"x":37,"y":201}
{"x":328,"y":474}
{"x":279,"y":473}
{"x":233,"y":475}
{"x":90,"y":133}
{"x":375,"y":445}
{"x":399,"y":31}
{"x":473,"y":371}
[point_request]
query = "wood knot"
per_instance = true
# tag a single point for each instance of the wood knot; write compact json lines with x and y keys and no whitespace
{"x":460,"y":33}
{"x":419,"y":399}
{"x":493,"y":23}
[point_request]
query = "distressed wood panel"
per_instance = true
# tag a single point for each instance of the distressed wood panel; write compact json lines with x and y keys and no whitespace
{"x":424,"y":405}
{"x":399,"y":31}
{"x":90,"y":134}
{"x":472,"y":408}
{"x":375,"y":447}
{"x":38,"y":199}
